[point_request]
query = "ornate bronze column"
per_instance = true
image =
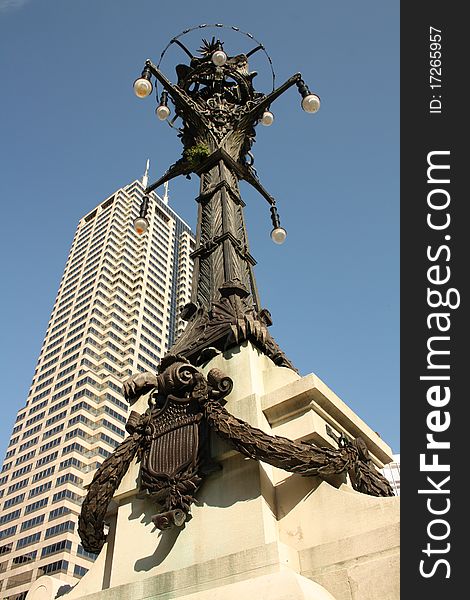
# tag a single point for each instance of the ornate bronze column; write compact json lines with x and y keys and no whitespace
{"x":219,"y":108}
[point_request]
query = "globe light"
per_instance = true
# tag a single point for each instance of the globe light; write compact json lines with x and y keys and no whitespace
{"x":141,"y":225}
{"x":163,"y":112}
{"x":278,"y":235}
{"x":219,"y":58}
{"x":311,"y":103}
{"x":267,"y":118}
{"x":142,"y":87}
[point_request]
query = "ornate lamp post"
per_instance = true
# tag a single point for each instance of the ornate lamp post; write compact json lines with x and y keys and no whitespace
{"x":219,"y":107}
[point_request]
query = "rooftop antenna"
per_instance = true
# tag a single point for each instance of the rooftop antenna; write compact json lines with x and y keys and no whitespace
{"x":145,"y":178}
{"x":165,"y":192}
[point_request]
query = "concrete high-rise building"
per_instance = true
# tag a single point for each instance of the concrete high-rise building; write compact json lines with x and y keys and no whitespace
{"x":116,"y":313}
{"x":392,"y":472}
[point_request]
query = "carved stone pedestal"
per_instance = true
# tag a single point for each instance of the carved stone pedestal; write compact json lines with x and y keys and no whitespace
{"x":257,"y":531}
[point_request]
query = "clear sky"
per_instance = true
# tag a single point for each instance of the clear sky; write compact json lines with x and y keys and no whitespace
{"x":71,"y":132}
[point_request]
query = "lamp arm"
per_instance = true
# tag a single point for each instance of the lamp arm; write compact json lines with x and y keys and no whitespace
{"x":269,"y":99}
{"x":250,"y":177}
{"x":177,"y":94}
{"x":179,"y":168}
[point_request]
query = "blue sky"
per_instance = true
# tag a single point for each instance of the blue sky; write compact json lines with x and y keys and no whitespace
{"x":71,"y":132}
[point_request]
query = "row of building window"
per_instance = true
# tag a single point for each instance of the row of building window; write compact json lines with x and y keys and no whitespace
{"x":51,"y":354}
{"x":49,"y":445}
{"x":34,"y":419}
{"x":34,"y":409}
{"x":55,"y":418}
{"x":47,"y":459}
{"x":25,"y":457}
{"x":46,"y":373}
{"x":58,"y":406}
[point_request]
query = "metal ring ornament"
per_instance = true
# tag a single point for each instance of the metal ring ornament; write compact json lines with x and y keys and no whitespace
{"x":219,"y":26}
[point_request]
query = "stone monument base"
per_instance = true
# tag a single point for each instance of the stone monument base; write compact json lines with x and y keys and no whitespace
{"x":256,"y":531}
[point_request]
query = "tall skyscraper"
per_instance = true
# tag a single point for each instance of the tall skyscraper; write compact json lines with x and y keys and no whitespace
{"x":392,"y":472}
{"x":116,"y":313}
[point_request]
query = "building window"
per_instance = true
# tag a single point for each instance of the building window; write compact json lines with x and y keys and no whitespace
{"x":25,"y":457}
{"x":57,"y":547}
{"x":32,"y":522}
{"x":60,"y":528}
{"x":40,"y":489}
{"x":68,"y":478}
{"x":46,"y":459}
{"x":59,"y":512}
{"x":36,"y":505}
{"x":18,"y":485}
{"x":34,"y":419}
{"x":7,"y":548}
{"x":42,"y":474}
{"x":30,"y":539}
{"x":9,"y":517}
{"x":31,"y":431}
{"x":22,"y":471}
{"x":79,"y":571}
{"x":13,"y":501}
{"x":66,"y":494}
{"x":54,"y":419}
{"x":82,"y":552}
{"x":60,"y":566}
{"x":23,"y":559}
{"x":50,"y":445}
{"x":8,"y":532}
